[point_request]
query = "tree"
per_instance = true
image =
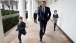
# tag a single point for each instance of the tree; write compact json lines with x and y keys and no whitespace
{"x":8,"y":3}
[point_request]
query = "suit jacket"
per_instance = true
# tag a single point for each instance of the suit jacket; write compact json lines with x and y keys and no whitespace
{"x":21,"y":28}
{"x":44,"y":16}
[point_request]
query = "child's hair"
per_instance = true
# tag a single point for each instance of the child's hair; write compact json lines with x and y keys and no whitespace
{"x":20,"y":17}
{"x":55,"y":10}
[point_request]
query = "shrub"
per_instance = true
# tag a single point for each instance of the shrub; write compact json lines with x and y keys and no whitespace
{"x":8,"y":23}
{"x":6,"y":12}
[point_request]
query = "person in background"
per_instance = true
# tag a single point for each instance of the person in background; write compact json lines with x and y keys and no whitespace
{"x":39,"y":6}
{"x":21,"y":28}
{"x":35,"y":17}
{"x":44,"y":15}
{"x":55,"y":18}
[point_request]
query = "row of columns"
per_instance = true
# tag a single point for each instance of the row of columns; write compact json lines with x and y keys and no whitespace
{"x":31,"y":8}
{"x":21,"y":8}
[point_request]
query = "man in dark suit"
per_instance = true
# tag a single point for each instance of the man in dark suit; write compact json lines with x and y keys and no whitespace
{"x":21,"y":28}
{"x":44,"y":14}
{"x":35,"y":17}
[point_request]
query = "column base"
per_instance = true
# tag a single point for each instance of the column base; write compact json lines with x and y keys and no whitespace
{"x":29,"y":19}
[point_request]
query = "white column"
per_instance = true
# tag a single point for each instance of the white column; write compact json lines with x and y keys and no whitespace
{"x":21,"y":8}
{"x":29,"y":10}
{"x":53,"y":1}
{"x":33,"y":7}
{"x":1,"y":5}
{"x":36,"y":5}
{"x":1,"y":30}
{"x":14,"y":7}
{"x":50,"y":2}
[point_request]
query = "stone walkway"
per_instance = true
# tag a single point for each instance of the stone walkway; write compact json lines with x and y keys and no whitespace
{"x":32,"y":35}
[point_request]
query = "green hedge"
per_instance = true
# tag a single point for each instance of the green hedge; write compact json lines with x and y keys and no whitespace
{"x":8,"y":16}
{"x":6,"y":12}
{"x":8,"y":23}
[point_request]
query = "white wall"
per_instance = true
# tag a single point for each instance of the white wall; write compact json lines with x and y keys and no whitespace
{"x":67,"y":13}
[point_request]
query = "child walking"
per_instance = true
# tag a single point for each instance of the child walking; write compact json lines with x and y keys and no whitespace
{"x":21,"y":28}
{"x":55,"y":18}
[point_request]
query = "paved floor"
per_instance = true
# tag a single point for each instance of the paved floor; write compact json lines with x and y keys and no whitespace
{"x":33,"y":35}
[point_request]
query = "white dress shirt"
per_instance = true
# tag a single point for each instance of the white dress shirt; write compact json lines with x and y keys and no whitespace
{"x":43,"y":9}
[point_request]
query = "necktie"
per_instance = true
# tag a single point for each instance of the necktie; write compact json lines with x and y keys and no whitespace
{"x":43,"y":10}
